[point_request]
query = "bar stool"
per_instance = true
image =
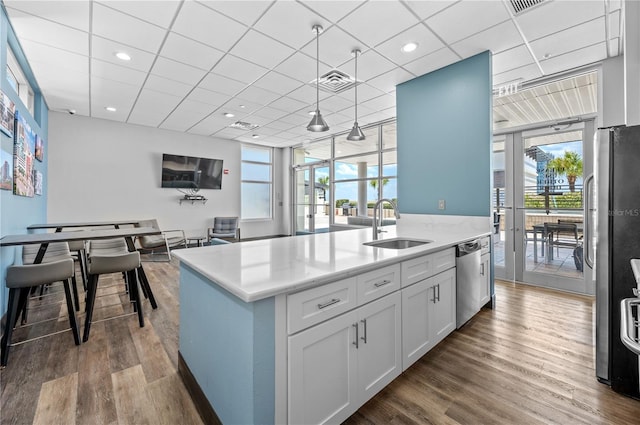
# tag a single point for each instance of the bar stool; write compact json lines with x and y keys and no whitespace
{"x":111,"y":256}
{"x":77,"y":249}
{"x":21,"y":278}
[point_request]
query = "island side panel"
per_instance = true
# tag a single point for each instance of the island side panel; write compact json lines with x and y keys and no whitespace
{"x":229,"y":347}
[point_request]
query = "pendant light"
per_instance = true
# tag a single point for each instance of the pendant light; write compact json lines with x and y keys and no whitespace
{"x":317,"y":123}
{"x":356,"y":133}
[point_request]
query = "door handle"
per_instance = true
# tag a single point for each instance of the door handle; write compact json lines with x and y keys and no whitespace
{"x":586,"y":252}
{"x":355,"y":325}
{"x":482,"y":269}
{"x":364,"y":328}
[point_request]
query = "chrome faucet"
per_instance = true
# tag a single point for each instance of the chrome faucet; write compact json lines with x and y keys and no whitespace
{"x":375,"y":215}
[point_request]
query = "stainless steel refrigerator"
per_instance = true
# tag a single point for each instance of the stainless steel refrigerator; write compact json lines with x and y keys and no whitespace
{"x":612,"y":239}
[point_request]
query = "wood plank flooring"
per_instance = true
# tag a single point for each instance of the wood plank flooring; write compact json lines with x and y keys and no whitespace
{"x":529,"y":361}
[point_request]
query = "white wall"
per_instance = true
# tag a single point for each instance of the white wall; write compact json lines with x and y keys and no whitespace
{"x":106,"y":170}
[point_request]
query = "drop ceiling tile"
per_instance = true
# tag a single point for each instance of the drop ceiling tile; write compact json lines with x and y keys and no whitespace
{"x":523,"y":73}
{"x":268,"y":113}
{"x":387,"y":82}
{"x":152,"y":108}
{"x":466,"y":18}
{"x":208,"y":97}
{"x":334,"y":103}
{"x":378,"y":21}
{"x":167,"y":86}
{"x":241,"y":108}
{"x":301,"y":67}
{"x":111,"y":93}
{"x":105,"y":50}
{"x":117,"y":26}
{"x":432,"y":61}
{"x":221,"y":84}
{"x":333,"y":10}
{"x":259,"y":120}
{"x":289,"y":136}
{"x":512,"y":58}
{"x":427,"y":43}
{"x":185,"y":116}
{"x":177,"y":71}
{"x":379,"y":103}
{"x":29,"y":27}
{"x":62,"y":59}
{"x":280,"y":126}
{"x":190,"y":52}
{"x":335,"y":49}
{"x":556,"y":16}
{"x":365,"y":92}
{"x":287,"y":104}
{"x":497,"y":38}
{"x":246,"y":11}
{"x":70,"y":13}
{"x":307,"y":94}
{"x":370,"y":64}
{"x":574,"y":38}
{"x":209,"y":125}
{"x":260,"y":49}
{"x":278,"y":83}
{"x":426,"y":9}
{"x":61,"y":100}
{"x":258,"y":95}
{"x":267,"y":131}
{"x":575,"y":58}
{"x":118,"y":73}
{"x":230,"y":133}
{"x":201,"y":23}
{"x":239,"y":69}
{"x":156,"y":12}
{"x":299,"y":22}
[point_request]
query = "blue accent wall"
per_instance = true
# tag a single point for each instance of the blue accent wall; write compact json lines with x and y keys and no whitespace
{"x":17,"y":212}
{"x":444,"y":121}
{"x":229,"y":346}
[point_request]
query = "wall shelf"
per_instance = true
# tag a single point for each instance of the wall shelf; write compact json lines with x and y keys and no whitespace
{"x":193,"y":200}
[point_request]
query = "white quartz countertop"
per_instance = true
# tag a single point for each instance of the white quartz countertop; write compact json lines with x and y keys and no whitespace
{"x":254,"y":270}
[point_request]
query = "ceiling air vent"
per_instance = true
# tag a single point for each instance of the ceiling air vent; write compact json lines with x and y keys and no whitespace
{"x":335,"y":81}
{"x":520,"y":6}
{"x":241,"y":125}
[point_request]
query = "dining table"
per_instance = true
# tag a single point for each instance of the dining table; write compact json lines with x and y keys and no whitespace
{"x":59,"y":226}
{"x":546,"y":231}
{"x":44,"y":239}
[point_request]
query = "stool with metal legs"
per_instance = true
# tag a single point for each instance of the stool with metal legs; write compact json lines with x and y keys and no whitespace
{"x":20,"y":279}
{"x":111,"y":256}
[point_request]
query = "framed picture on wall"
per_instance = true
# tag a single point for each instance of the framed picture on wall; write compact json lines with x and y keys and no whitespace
{"x":37,"y":182}
{"x":6,"y":170}
{"x":7,"y":114}
{"x":39,"y":148}
{"x":23,"y":157}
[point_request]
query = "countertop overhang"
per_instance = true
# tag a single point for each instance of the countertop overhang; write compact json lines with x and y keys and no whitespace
{"x":255,"y":270}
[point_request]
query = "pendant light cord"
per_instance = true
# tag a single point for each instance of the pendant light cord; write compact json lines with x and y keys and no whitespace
{"x":317,"y":68}
{"x":356,"y":82}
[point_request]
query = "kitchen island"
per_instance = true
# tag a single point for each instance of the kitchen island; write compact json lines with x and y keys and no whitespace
{"x":308,"y":328}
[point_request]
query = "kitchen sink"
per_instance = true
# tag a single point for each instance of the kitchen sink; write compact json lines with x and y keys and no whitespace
{"x":397,"y":243}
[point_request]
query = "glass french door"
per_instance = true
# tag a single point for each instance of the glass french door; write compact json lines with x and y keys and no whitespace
{"x":538,"y":205}
{"x":312,"y":198}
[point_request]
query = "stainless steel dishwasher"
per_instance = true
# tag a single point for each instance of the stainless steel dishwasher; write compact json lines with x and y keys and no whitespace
{"x":468,"y":281}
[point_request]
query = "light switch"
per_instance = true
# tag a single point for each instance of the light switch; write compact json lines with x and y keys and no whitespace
{"x":441,"y":204}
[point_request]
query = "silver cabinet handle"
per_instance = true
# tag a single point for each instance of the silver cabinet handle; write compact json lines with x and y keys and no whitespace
{"x":384,"y":282}
{"x":364,"y":337}
{"x":328,"y":303}
{"x":482,"y":269}
{"x":433,"y":300}
{"x":438,"y":286}
{"x":355,"y":325}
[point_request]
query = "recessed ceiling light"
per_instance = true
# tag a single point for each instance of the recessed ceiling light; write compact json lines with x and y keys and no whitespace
{"x":312,"y":113}
{"x":110,"y":108}
{"x":229,"y":115}
{"x":242,"y":106}
{"x":255,"y":136}
{"x":123,"y":56}
{"x":546,"y":56}
{"x":409,"y":47}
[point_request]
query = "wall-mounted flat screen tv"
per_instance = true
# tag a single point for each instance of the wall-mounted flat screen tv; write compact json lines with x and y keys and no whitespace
{"x":189,"y":172}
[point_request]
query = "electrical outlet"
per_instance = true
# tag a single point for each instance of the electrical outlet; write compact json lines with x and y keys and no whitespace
{"x":441,"y":204}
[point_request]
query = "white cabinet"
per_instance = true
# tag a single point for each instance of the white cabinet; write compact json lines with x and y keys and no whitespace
{"x":485,"y":272}
{"x":428,"y":314}
{"x":336,"y":366}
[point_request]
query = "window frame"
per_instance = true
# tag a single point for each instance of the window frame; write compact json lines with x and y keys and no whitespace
{"x":268,"y":182}
{"x":25,"y":91}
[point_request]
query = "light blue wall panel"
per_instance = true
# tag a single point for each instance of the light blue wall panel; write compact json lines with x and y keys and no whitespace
{"x":444,"y":139}
{"x":17,"y":212}
{"x":229,"y":347}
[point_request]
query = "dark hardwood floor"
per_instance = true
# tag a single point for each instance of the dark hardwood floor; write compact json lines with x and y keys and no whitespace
{"x":529,"y":361}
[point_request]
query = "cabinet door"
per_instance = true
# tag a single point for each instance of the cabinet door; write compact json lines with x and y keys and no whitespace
{"x":442,"y":315}
{"x":485,"y":271}
{"x":322,"y":372}
{"x":379,"y":349}
{"x":417,"y":300}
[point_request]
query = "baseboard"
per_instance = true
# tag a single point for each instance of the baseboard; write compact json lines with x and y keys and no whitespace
{"x":205,"y":410}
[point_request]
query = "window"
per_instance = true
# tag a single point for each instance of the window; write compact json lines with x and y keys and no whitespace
{"x":256,"y":170}
{"x":18,"y":81}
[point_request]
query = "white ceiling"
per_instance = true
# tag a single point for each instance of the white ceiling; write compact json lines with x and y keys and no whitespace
{"x":192,"y":61}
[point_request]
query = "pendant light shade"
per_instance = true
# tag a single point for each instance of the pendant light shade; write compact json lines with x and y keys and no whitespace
{"x":317,"y":123}
{"x":356,"y":133}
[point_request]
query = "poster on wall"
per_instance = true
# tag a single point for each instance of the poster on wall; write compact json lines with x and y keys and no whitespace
{"x":37,"y":182}
{"x":6,"y":170}
{"x":23,"y":156}
{"x":39,"y":148}
{"x":7,"y":114}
